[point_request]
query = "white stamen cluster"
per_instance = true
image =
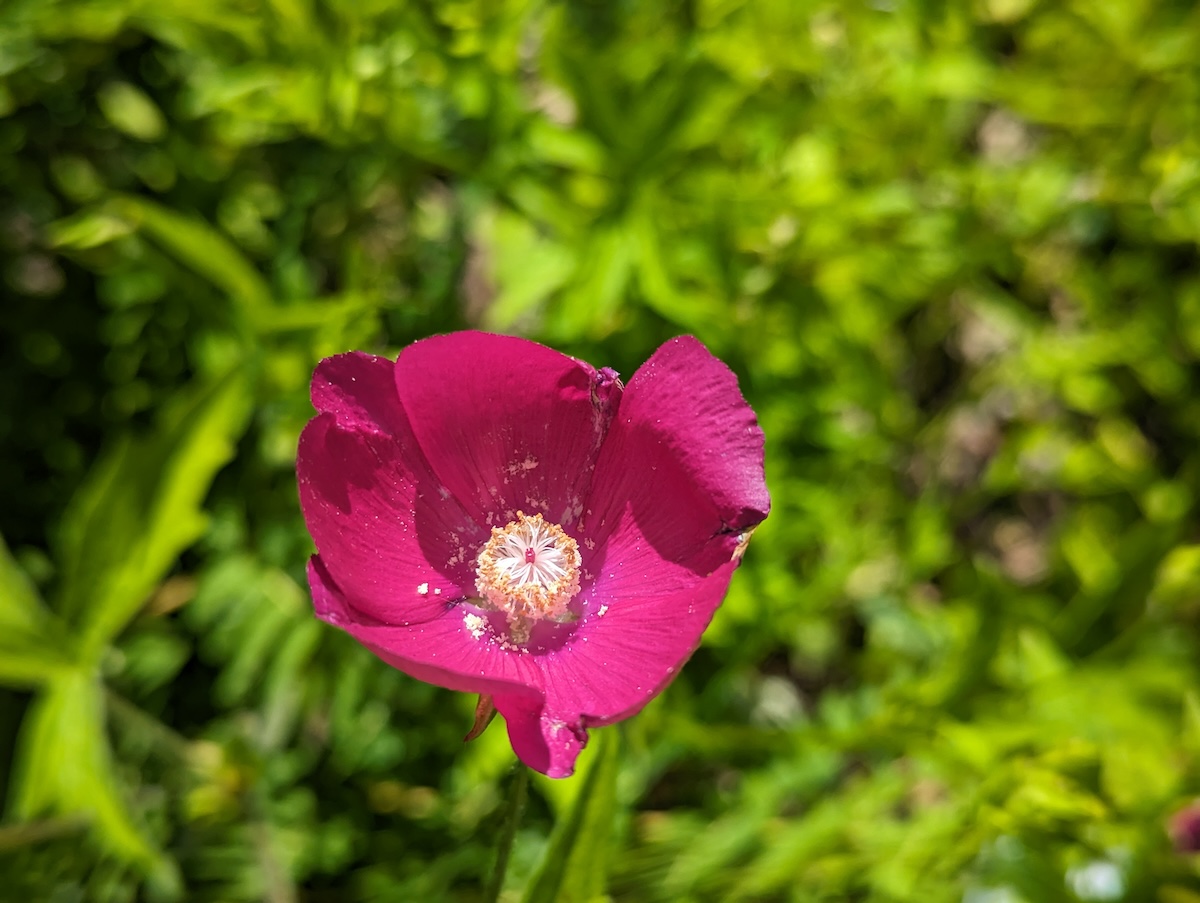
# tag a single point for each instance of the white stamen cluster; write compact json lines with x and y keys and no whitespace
{"x":528,"y":569}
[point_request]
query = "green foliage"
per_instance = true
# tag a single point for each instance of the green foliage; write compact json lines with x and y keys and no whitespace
{"x":32,"y":645}
{"x":575,"y":863}
{"x":949,"y":249}
{"x":127,"y":525}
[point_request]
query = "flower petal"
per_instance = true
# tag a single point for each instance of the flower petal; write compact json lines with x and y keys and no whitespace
{"x":506,"y":424}
{"x":360,"y":391}
{"x":437,"y":651}
{"x":678,"y":486}
{"x":402,"y":481}
{"x":540,"y":738}
{"x":624,"y":653}
{"x":684,"y":456}
{"x":613,"y":665}
{"x":383,"y":527}
{"x":444,"y":652}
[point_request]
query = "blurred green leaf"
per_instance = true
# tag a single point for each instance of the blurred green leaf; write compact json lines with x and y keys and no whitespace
{"x":20,"y":604}
{"x":948,"y":250}
{"x":199,"y":246}
{"x":575,"y":864}
{"x":33,"y":645}
{"x":142,"y":506}
{"x":526,"y":268}
{"x":88,"y":229}
{"x":130,"y":110}
{"x":66,"y":769}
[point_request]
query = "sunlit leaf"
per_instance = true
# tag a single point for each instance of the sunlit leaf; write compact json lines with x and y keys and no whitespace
{"x":130,"y":110}
{"x":66,"y":768}
{"x":575,"y":864}
{"x":199,"y":246}
{"x":141,"y":507}
{"x":33,"y":645}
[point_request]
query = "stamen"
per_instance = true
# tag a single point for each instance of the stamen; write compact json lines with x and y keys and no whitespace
{"x":528,"y":569}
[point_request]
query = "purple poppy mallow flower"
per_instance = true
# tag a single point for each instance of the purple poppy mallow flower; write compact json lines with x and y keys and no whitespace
{"x":497,"y":518}
{"x":1184,"y":829}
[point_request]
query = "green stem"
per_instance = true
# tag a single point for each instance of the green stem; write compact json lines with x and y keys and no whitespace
{"x":508,"y":832}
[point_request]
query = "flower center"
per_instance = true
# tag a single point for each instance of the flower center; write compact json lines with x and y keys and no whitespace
{"x":528,"y":569}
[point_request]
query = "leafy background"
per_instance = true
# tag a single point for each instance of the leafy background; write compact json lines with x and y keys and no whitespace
{"x":950,"y":248}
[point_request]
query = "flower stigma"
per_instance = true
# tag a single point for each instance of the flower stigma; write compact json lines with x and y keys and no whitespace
{"x":529,"y":569}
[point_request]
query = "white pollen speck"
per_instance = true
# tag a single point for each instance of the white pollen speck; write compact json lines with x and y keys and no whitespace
{"x":437,"y":591}
{"x":422,"y":589}
{"x":601,"y":610}
{"x":475,"y":624}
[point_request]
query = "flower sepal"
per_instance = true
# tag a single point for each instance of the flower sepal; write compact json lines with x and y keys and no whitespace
{"x":485,"y":713}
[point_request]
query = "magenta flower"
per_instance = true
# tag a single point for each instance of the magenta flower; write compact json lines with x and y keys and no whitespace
{"x":498,"y":518}
{"x":1184,"y":828}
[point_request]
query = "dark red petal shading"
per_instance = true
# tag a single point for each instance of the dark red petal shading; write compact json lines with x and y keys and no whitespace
{"x":506,"y":424}
{"x":387,"y":533}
